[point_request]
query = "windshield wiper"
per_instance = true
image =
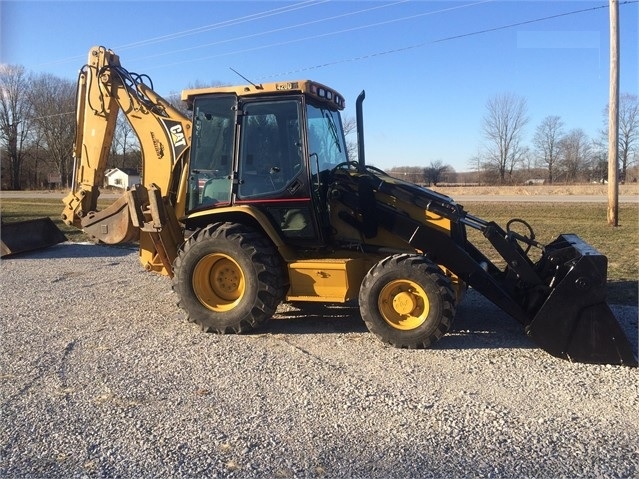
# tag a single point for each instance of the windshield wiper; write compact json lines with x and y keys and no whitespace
{"x":333,"y":129}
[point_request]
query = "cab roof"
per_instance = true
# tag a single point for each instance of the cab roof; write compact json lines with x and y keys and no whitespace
{"x":308,"y":87}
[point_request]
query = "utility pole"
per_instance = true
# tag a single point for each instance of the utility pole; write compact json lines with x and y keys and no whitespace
{"x":613,"y":117}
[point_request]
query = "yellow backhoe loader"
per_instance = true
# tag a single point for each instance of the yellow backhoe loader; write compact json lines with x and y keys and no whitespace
{"x":253,"y":200}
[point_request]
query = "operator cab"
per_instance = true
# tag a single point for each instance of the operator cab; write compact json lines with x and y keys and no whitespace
{"x":269,"y":147}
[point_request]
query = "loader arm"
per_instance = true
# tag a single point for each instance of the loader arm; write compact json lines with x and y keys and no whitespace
{"x":147,"y":212}
{"x":560,"y":299}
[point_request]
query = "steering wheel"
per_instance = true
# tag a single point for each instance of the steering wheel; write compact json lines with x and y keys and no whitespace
{"x":528,"y":240}
{"x":345,"y":165}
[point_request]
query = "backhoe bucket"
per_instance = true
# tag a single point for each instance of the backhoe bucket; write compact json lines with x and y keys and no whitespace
{"x":28,"y":235}
{"x":575,"y":322}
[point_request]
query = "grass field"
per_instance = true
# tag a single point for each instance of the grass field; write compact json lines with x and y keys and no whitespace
{"x":20,"y":209}
{"x":629,"y":189}
{"x":588,"y":220}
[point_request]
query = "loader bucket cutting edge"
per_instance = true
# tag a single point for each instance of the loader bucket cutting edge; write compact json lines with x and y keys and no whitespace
{"x":575,"y":322}
{"x":21,"y":236}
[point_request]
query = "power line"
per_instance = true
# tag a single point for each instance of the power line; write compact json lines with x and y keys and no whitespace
{"x":278,"y":30}
{"x":213,"y":26}
{"x":445,"y":39}
{"x":322,"y":35}
{"x":402,"y":49}
{"x":225,"y":23}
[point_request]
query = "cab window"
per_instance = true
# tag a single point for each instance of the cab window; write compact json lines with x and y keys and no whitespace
{"x":270,"y":147}
{"x":325,"y":139}
{"x":212,"y":151}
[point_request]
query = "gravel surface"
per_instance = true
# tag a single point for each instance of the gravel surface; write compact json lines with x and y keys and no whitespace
{"x":101,"y":376}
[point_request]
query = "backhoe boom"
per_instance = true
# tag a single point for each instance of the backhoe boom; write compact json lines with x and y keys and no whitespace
{"x":150,"y":211}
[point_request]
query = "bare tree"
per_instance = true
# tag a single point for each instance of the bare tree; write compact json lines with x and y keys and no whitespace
{"x":350,"y":129}
{"x":53,"y":108}
{"x":15,"y":111}
{"x":628,"y":131}
{"x":175,"y":97}
{"x":576,"y":154}
{"x":435,"y":172}
{"x":125,"y":149}
{"x":546,"y":143}
{"x":503,"y":127}
{"x":475,"y":163}
{"x":598,"y":170}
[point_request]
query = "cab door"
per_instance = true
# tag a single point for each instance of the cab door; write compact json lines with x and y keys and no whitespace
{"x":272,"y":171}
{"x":212,"y":152}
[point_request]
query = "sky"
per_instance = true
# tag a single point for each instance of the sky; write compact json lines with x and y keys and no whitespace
{"x":428,"y":67}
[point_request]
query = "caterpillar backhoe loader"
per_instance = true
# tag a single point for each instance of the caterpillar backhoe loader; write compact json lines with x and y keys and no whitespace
{"x":253,"y":200}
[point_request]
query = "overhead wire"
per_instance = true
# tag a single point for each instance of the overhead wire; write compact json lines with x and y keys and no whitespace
{"x":326,"y":34}
{"x":281,"y":29}
{"x":204,"y":28}
{"x":408,"y":47}
{"x":445,"y":39}
{"x":225,"y":23}
{"x":390,"y":51}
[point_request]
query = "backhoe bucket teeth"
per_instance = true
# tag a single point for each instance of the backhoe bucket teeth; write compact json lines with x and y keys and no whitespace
{"x":22,"y":236}
{"x":575,"y":322}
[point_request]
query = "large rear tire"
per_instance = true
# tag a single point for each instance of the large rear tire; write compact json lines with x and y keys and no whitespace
{"x":407,"y":301}
{"x":229,"y":278}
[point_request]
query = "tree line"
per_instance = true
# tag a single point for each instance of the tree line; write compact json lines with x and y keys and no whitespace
{"x":556,"y":153}
{"x":37,"y":131}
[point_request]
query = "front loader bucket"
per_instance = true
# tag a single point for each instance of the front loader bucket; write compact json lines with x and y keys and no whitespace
{"x":575,"y":322}
{"x":21,"y":236}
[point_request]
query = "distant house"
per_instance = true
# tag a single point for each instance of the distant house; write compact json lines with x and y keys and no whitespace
{"x":536,"y":181}
{"x":121,"y":178}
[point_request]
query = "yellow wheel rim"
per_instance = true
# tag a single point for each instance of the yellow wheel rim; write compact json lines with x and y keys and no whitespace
{"x":404,"y":304}
{"x":218,"y":282}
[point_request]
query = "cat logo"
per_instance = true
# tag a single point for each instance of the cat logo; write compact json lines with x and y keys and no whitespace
{"x":177,"y":135}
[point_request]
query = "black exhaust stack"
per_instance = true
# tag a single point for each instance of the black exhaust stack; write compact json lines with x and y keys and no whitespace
{"x":360,"y":132}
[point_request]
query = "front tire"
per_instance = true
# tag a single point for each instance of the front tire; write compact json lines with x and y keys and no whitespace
{"x":407,"y":301}
{"x":229,"y":278}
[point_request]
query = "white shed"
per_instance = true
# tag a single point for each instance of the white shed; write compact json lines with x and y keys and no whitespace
{"x":121,"y":177}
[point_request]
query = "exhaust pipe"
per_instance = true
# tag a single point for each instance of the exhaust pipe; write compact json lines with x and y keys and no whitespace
{"x":359,"y":117}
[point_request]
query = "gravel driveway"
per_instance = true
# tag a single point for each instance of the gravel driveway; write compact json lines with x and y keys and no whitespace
{"x":101,"y":376}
